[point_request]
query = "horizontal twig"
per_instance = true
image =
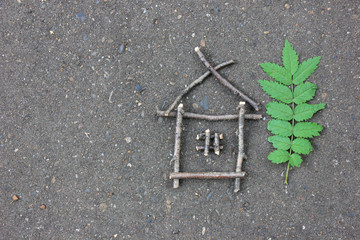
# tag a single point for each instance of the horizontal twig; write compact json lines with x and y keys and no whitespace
{"x":207,"y":175}
{"x":210,"y":117}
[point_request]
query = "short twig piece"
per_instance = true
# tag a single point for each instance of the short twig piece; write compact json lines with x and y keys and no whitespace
{"x":207,"y":142}
{"x":202,"y":148}
{"x":210,"y":117}
{"x":193,"y":84}
{"x":241,"y":154}
{"x":225,"y":82}
{"x":178,"y":131}
{"x":217,"y":144}
{"x":207,"y":175}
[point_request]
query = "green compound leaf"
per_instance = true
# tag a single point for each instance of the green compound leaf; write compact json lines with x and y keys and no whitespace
{"x":279,"y":110}
{"x":302,"y":146}
{"x":304,"y":92}
{"x":305,"y":111}
{"x":307,"y":129}
{"x":279,"y":156}
{"x":295,"y":160}
{"x":290,"y":58}
{"x":277,"y":72}
{"x":277,"y":91}
{"x":280,"y":127}
{"x":305,"y":69}
{"x":280,"y":142}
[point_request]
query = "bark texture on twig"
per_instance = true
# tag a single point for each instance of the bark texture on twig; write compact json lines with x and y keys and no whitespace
{"x":207,"y":175}
{"x":211,"y":117}
{"x":193,"y":84}
{"x":207,"y":142}
{"x":178,"y":131}
{"x":217,"y":144}
{"x":225,"y":82}
{"x":240,"y":157}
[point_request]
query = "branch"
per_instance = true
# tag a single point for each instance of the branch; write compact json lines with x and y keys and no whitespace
{"x":193,"y":84}
{"x":206,"y":175}
{"x":210,"y":117}
{"x":225,"y":82}
{"x":178,"y":131}
{"x":240,"y":157}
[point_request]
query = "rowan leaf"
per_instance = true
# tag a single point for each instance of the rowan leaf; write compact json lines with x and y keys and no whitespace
{"x":305,"y":69}
{"x":305,"y":111}
{"x":307,"y":129}
{"x":277,"y":91}
{"x":280,"y":142}
{"x":295,"y":160}
{"x":280,"y":127}
{"x":301,"y":145}
{"x":279,"y":110}
{"x":277,"y":72}
{"x":304,"y":92}
{"x":290,"y":58}
{"x":279,"y":156}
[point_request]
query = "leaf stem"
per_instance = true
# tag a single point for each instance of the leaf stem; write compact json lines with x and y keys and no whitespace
{"x":292,"y":127}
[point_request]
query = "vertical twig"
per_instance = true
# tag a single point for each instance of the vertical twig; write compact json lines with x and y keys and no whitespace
{"x":216,"y":144}
{"x":240,"y":157}
{"x":178,"y":131}
{"x":225,"y":82}
{"x":207,"y":142}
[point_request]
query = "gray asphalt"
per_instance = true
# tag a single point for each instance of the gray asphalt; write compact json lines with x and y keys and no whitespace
{"x":80,"y":82}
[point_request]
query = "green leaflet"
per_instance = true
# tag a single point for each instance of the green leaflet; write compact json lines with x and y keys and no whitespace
{"x":291,"y":133}
{"x":307,"y":129}
{"x":301,"y":145}
{"x":305,"y":111}
{"x":280,"y":142}
{"x":295,"y":160}
{"x":280,"y":127}
{"x":277,"y":91}
{"x":290,"y":58}
{"x":277,"y":72}
{"x":279,"y":110}
{"x":279,"y":156}
{"x":304,"y":92}
{"x":306,"y":69}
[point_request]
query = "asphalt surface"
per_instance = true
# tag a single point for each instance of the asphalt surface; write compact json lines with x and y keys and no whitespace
{"x":80,"y":82}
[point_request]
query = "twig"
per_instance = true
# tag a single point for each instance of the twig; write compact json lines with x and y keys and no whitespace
{"x":207,"y":142}
{"x":217,"y":144}
{"x":240,"y":157}
{"x":225,"y":82}
{"x":193,"y":84}
{"x":178,"y":131}
{"x":111,"y":93}
{"x":210,"y":117}
{"x":206,"y":175}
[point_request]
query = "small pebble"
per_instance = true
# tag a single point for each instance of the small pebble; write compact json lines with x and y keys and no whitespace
{"x":287,"y":6}
{"x":15,"y":198}
{"x":81,"y":16}
{"x":139,"y":88}
{"x":195,"y":105}
{"x":103,"y":207}
{"x":42,"y":207}
{"x":205,"y":103}
{"x":122,"y":48}
{"x":128,"y":139}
